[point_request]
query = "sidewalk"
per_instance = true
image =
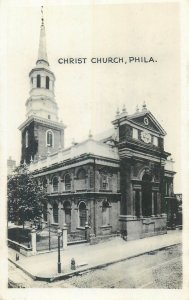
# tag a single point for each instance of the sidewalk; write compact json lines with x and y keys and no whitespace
{"x":44,"y":266}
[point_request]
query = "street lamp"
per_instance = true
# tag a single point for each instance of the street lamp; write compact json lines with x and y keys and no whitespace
{"x":59,"y":233}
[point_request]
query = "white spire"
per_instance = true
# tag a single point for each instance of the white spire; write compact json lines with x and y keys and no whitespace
{"x":42,"y":52}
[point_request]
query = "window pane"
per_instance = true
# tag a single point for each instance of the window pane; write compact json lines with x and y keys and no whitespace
{"x":55,"y":184}
{"x":155,"y":141}
{"x":135,"y":133}
{"x":49,"y":139}
{"x":67,"y":182}
{"x":82,"y":214}
{"x":55,"y":213}
{"x":38,"y":81}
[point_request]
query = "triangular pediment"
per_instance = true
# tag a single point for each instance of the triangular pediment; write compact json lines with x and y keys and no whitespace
{"x":148,"y":121}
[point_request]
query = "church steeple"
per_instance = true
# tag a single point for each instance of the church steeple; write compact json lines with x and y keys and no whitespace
{"x":41,"y":132}
{"x":42,"y":52}
{"x":42,"y":101}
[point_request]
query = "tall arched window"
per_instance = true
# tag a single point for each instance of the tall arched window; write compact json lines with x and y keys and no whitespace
{"x":67,"y":180}
{"x":55,"y":184}
{"x":82,"y":214}
{"x":38,"y":81}
{"x":55,"y":213}
{"x":49,"y":138}
{"x":105,"y":213}
{"x":47,"y":82}
{"x":26,"y":139}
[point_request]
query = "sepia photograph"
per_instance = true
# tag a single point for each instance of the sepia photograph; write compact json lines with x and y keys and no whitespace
{"x":93,"y":146}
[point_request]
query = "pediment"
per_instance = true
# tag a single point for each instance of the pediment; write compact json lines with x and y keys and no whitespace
{"x":148,"y":121}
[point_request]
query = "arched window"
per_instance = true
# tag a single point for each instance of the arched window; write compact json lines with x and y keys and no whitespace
{"x":104,"y":182}
{"x":67,"y":180}
{"x":82,"y":214}
{"x":45,"y":184}
{"x":26,"y":141}
{"x":47,"y":82}
{"x":55,"y":184}
{"x":49,"y":138}
{"x":105,"y":213}
{"x":55,"y":213}
{"x":38,"y":81}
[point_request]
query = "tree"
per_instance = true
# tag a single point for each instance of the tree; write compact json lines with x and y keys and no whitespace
{"x":25,"y":196}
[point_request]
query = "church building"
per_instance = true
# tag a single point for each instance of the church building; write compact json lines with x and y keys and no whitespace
{"x":116,"y":182}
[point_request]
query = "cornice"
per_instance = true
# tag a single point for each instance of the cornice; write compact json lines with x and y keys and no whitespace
{"x":40,"y":120}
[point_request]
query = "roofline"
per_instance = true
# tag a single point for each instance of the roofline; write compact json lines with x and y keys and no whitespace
{"x":130,"y":118}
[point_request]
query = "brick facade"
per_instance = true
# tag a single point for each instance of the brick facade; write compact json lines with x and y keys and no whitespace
{"x":37,"y":144}
{"x":88,"y":190}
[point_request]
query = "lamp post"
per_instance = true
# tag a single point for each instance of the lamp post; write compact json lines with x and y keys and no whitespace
{"x":59,"y":233}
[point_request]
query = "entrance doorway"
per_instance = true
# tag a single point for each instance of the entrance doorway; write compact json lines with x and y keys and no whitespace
{"x":146,"y":195}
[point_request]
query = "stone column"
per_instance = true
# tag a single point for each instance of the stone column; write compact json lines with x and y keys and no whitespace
{"x":33,"y":241}
{"x":59,"y":184}
{"x":60,"y":215}
{"x":72,"y":182}
{"x":140,"y":193}
{"x":88,"y":179}
{"x":43,"y":81}
{"x":48,"y":186}
{"x":63,"y":217}
{"x":152,"y":204}
{"x":50,"y":85}
{"x":158,"y":203}
{"x":34,"y":82}
{"x":65,"y":236}
{"x":134,"y":203}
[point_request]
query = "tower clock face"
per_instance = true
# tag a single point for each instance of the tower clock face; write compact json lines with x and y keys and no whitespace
{"x":146,"y":137}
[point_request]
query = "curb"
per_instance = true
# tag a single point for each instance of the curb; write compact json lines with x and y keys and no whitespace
{"x":82,"y":270}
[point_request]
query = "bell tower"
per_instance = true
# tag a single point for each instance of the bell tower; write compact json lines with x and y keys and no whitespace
{"x":42,"y":99}
{"x":41,"y":132}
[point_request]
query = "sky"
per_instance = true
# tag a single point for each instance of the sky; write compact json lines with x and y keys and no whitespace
{"x":88,"y":94}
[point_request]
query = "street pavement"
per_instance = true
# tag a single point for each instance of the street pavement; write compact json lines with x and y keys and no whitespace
{"x":86,"y":256}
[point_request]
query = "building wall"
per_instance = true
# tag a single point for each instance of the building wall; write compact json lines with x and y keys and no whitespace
{"x":37,"y":141}
{"x":32,"y":149}
{"x":87,"y":189}
{"x":41,"y":137}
